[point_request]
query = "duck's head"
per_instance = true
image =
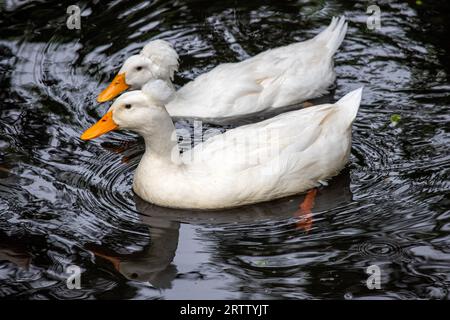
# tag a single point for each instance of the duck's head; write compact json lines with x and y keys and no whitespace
{"x":157,"y":60}
{"x":137,"y":110}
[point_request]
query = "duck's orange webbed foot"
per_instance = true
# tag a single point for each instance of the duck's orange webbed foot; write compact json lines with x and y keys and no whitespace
{"x":304,"y":214}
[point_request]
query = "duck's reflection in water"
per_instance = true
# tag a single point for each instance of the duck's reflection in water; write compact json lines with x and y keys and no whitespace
{"x":154,"y":263}
{"x":14,"y":251}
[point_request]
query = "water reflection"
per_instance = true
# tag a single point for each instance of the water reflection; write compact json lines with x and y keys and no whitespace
{"x":14,"y":251}
{"x":153,"y":264}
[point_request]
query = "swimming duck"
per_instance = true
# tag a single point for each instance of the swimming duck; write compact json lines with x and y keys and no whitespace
{"x":274,"y":158}
{"x":275,"y":78}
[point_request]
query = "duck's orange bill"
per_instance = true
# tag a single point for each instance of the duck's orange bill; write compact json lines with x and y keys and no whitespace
{"x":104,"y":125}
{"x":116,"y":87}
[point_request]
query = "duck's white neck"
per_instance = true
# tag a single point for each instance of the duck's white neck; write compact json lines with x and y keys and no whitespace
{"x":161,"y":87}
{"x":160,"y":138}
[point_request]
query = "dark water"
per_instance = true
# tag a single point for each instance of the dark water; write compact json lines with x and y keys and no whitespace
{"x":66,"y":202}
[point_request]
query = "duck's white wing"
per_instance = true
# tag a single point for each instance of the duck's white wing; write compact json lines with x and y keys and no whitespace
{"x":219,"y":92}
{"x":274,"y":78}
{"x":258,"y":144}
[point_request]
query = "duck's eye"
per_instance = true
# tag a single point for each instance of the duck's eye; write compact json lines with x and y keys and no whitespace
{"x":139,"y":68}
{"x":128,"y":106}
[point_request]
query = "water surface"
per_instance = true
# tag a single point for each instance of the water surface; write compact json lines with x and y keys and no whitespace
{"x":67,"y":202}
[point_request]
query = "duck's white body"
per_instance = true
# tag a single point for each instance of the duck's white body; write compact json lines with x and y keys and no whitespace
{"x":278,"y":157}
{"x":275,"y":78}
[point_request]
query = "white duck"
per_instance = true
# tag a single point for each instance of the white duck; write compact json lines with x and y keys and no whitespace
{"x":278,"y":157}
{"x":275,"y":78}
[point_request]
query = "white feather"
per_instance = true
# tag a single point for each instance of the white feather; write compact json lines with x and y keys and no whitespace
{"x":159,"y":91}
{"x":163,"y":56}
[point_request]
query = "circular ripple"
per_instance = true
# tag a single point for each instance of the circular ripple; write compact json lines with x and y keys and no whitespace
{"x":381,"y":249}
{"x":108,"y":181}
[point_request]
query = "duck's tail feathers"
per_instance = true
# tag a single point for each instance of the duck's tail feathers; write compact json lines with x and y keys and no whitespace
{"x":334,"y":34}
{"x":349,"y":104}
